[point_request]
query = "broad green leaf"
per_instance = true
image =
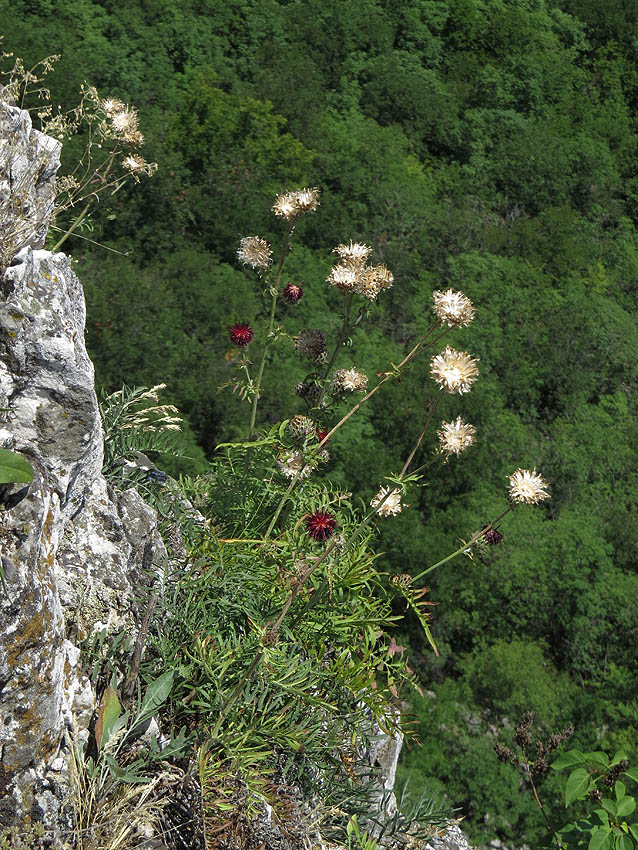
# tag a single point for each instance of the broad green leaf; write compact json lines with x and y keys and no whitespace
{"x":107,"y":715}
{"x":569,"y":759}
{"x":598,"y":757}
{"x":624,"y":842}
{"x":620,"y":790}
{"x":625,"y":806}
{"x":621,"y":755}
{"x":14,"y":469}
{"x":632,"y":773}
{"x":577,"y":785}
{"x":634,"y":831}
{"x":156,"y":693}
{"x":602,"y":816}
{"x":609,"y":806}
{"x":600,"y":839}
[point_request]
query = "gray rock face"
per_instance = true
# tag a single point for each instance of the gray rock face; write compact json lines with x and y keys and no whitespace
{"x":71,"y":552}
{"x":28,"y":163}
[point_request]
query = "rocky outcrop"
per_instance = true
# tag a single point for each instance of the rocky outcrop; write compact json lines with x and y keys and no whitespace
{"x":71,"y":551}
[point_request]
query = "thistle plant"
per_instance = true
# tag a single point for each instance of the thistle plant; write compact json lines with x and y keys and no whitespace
{"x":110,"y":157}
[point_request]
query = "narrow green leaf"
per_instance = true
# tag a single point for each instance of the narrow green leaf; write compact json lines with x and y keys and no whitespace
{"x":577,"y":785}
{"x":14,"y":469}
{"x":634,"y":831}
{"x":632,"y":773}
{"x":625,"y":806}
{"x":569,"y":759}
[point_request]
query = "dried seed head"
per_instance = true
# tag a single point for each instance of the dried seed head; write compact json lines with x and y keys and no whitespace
{"x":311,"y":343}
{"x":301,"y":426}
{"x":455,"y":436}
{"x":454,"y":371}
{"x":527,"y":487}
{"x":254,"y":251}
{"x":452,"y":308}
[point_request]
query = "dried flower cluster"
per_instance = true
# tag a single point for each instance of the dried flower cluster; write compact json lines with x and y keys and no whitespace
{"x":348,"y":380}
{"x":527,"y":487}
{"x":255,"y":252}
{"x":291,"y":205}
{"x":454,"y":371}
{"x":353,"y":275}
{"x":453,"y":309}
{"x":392,"y":503}
{"x":455,"y":436}
{"x":539,"y":767}
{"x":123,"y":121}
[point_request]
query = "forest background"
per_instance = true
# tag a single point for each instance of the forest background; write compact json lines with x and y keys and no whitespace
{"x":484,"y":145}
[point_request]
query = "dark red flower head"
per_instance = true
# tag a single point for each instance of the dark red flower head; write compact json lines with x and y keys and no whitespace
{"x":321,"y":433}
{"x":292,"y":293}
{"x":241,"y":334}
{"x":493,"y":537}
{"x":320,"y":525}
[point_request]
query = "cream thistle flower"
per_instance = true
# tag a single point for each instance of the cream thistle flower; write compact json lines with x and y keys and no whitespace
{"x":527,"y":487}
{"x":124,"y":121}
{"x":290,"y":205}
{"x":350,"y":380}
{"x":311,"y":343}
{"x":343,"y":277}
{"x":291,"y":462}
{"x":454,"y":371}
{"x":254,"y":251}
{"x":455,"y":436}
{"x":392,"y":504}
{"x":355,"y":252}
{"x":373,"y":280}
{"x":112,"y":105}
{"x":452,"y":308}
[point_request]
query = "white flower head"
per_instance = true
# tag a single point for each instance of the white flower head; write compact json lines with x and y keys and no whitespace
{"x":453,"y":309}
{"x":527,"y":487}
{"x":254,"y":251}
{"x":454,"y":371}
{"x":355,"y":253}
{"x":392,"y":503}
{"x":343,"y":277}
{"x":349,"y":380}
{"x":455,"y":436}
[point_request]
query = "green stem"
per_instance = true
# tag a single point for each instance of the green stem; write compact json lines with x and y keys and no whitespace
{"x":273,"y":307}
{"x":345,"y":327}
{"x":78,"y":221}
{"x":465,"y":546}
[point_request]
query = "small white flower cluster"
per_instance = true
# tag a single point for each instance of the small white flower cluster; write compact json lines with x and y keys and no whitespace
{"x":353,"y":275}
{"x":391,"y":501}
{"x":291,"y":205}
{"x":348,"y":380}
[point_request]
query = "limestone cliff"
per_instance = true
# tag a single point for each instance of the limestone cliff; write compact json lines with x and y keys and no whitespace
{"x":70,"y":549}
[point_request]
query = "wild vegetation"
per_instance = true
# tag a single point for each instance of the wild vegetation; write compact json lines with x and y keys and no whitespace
{"x":488,"y":147}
